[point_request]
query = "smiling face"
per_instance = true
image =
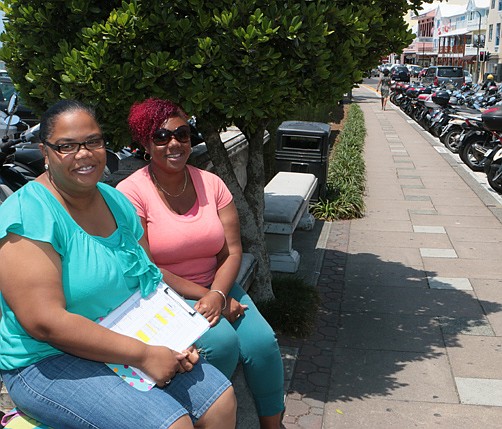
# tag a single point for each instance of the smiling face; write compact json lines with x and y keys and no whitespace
{"x":172,"y":156}
{"x":79,"y":171}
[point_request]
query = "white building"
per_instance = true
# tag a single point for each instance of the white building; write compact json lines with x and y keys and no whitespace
{"x":458,"y":34}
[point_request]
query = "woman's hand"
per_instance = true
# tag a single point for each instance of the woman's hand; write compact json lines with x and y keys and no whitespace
{"x":210,"y":306}
{"x":234,"y":310}
{"x":188,"y":359}
{"x":162,"y":364}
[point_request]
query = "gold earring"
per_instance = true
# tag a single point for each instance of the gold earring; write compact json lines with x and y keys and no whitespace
{"x":147,"y":157}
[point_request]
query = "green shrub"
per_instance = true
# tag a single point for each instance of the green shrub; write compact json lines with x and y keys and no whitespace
{"x":346,"y":172}
{"x":293,"y":312}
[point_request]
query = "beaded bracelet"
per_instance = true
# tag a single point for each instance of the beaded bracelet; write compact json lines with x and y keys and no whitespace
{"x":223,"y":296}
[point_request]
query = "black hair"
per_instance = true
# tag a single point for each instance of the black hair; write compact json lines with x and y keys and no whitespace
{"x":51,"y":114}
{"x":386,"y":72}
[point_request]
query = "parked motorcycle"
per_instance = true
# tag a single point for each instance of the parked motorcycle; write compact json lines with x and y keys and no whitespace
{"x":475,"y":141}
{"x":492,"y":162}
{"x":11,"y":175}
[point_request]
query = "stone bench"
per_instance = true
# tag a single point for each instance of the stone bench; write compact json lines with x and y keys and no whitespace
{"x":247,"y":271}
{"x":287,"y":198}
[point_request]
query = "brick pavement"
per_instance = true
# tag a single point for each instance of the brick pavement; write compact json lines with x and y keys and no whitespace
{"x":308,"y":393}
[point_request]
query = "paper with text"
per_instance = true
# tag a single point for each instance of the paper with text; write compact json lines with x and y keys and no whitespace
{"x":161,"y":319}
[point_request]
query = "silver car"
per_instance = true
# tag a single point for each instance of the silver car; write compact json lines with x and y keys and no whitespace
{"x":436,"y":75}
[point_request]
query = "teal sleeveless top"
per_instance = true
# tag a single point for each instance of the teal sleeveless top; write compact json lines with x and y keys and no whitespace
{"x":98,"y":273}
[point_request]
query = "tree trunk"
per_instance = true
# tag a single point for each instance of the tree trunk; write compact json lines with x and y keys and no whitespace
{"x":249,"y":202}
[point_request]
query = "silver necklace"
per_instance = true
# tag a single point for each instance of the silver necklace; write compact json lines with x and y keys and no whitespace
{"x":163,"y":190}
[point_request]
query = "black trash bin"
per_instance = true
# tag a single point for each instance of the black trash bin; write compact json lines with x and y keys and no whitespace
{"x":303,"y":147}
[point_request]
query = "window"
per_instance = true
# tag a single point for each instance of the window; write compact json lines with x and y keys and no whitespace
{"x":450,"y":72}
{"x":497,"y":34}
{"x":6,"y":90}
{"x":500,"y":4}
{"x":490,"y":32}
{"x":493,"y":4}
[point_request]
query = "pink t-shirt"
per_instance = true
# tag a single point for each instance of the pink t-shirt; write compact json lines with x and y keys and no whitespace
{"x":185,"y":245}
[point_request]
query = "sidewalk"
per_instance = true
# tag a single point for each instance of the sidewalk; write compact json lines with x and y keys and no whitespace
{"x":409,"y":333}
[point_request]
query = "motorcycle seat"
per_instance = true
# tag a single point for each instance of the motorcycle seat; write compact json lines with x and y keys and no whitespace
{"x":5,"y":191}
{"x":467,"y":111}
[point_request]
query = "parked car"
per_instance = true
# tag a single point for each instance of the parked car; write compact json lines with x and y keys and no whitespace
{"x":414,"y":70}
{"x":374,"y":72}
{"x":382,"y":67}
{"x":400,"y":73}
{"x":422,"y":72}
{"x":467,"y":76}
{"x":24,"y":112}
{"x":436,"y":75}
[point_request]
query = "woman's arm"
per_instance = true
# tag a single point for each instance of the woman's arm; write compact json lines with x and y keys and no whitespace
{"x":230,"y":256}
{"x":35,"y":295}
{"x":229,"y":262}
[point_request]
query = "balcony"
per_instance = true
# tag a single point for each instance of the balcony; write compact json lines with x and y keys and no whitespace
{"x":473,"y":24}
{"x":458,"y":49}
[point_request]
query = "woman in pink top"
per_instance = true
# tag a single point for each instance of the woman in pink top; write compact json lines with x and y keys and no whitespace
{"x":193,"y":232}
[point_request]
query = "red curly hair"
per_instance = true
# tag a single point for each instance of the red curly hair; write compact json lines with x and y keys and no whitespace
{"x":147,"y":116}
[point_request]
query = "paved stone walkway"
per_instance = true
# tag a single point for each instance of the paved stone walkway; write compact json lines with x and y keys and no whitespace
{"x":409,"y":333}
{"x":309,"y":388}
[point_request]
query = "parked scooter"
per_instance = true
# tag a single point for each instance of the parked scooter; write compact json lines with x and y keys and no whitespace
{"x":11,"y":178}
{"x":475,"y":141}
{"x":492,"y":163}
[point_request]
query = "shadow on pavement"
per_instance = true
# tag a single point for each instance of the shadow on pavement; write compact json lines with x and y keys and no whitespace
{"x":376,"y":318}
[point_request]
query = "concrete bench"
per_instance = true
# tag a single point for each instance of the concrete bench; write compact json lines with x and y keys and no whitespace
{"x":287,"y":197}
{"x":247,"y":271}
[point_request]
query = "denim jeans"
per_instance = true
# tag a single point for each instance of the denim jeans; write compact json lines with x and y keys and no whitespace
{"x":65,"y":391}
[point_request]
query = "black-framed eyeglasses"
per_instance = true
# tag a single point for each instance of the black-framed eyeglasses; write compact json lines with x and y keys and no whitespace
{"x":74,"y":147}
{"x":163,"y":136}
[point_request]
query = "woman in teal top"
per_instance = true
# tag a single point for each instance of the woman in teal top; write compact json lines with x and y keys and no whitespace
{"x":71,"y":251}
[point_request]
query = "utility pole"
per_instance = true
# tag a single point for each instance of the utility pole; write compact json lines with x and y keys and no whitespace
{"x":476,"y":76}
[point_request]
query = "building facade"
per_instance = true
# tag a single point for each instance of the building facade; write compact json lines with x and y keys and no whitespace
{"x":465,"y":34}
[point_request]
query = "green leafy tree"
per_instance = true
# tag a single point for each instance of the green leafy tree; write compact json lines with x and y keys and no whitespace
{"x":227,"y":62}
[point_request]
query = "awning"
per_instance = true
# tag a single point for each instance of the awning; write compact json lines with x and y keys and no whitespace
{"x":469,"y":58}
{"x":458,"y":32}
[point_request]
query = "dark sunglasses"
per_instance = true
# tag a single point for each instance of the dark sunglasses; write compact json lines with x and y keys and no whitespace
{"x":163,"y":136}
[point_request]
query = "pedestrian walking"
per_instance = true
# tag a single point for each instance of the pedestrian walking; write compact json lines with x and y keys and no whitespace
{"x":384,"y":87}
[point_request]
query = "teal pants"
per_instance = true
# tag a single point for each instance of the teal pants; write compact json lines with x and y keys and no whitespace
{"x":251,"y":341}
